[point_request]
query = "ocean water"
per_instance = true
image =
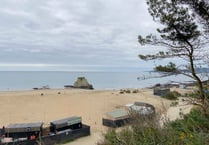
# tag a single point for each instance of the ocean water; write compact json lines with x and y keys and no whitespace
{"x":26,"y":80}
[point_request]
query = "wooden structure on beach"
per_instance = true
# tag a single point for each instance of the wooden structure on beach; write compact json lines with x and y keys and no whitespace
{"x":24,"y":130}
{"x":116,"y":118}
{"x":59,"y":131}
{"x":66,"y":123}
{"x":161,"y":91}
{"x":121,"y":117}
{"x":143,"y":109}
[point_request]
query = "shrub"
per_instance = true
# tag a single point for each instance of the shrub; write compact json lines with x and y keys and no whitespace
{"x":125,"y":91}
{"x":172,"y":95}
{"x":121,"y":92}
{"x":194,"y":121}
{"x":193,"y":129}
{"x":135,"y":91}
{"x":128,"y":91}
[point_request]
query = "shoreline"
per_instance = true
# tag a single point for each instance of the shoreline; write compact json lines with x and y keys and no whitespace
{"x":104,"y":89}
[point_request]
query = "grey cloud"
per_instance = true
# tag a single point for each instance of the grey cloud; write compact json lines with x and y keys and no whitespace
{"x":82,"y":30}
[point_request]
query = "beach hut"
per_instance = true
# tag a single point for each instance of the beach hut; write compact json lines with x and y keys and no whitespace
{"x":161,"y":91}
{"x":116,"y":118}
{"x":143,"y":109}
{"x":66,"y":123}
{"x":24,"y":130}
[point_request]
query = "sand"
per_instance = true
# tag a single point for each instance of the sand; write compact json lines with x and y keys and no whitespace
{"x":53,"y":104}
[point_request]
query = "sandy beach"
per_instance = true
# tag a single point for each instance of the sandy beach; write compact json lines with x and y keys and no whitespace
{"x":53,"y":104}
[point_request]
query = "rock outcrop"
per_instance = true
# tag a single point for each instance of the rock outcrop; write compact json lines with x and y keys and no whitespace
{"x":82,"y":83}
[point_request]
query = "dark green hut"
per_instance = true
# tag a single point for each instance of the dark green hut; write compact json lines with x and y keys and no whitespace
{"x":24,"y":130}
{"x":66,"y":123}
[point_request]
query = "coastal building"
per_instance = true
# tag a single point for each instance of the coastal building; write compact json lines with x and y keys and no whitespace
{"x":59,"y":131}
{"x":123,"y":116}
{"x":24,"y":130}
{"x":66,"y":123}
{"x":116,"y":118}
{"x":161,"y":91}
{"x":143,"y":109}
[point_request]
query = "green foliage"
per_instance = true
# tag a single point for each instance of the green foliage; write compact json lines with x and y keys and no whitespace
{"x":143,"y":57}
{"x":180,"y":34}
{"x":111,"y":137}
{"x":178,"y":25}
{"x":172,"y":95}
{"x":159,"y":55}
{"x":193,"y":129}
{"x":171,"y":67}
{"x":192,"y":122}
{"x":194,"y":94}
{"x":201,"y":9}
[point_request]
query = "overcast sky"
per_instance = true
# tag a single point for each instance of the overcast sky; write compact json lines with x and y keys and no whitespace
{"x":72,"y":34}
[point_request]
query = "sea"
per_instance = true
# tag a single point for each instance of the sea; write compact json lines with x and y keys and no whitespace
{"x":27,"y":80}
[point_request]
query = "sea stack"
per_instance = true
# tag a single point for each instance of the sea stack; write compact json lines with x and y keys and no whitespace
{"x":82,"y":83}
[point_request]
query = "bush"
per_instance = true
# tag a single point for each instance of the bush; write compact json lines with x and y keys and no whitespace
{"x":135,"y":91}
{"x":194,"y":121}
{"x":125,"y":91}
{"x":193,"y":129}
{"x":121,"y":92}
{"x":128,"y":91}
{"x":172,"y":95}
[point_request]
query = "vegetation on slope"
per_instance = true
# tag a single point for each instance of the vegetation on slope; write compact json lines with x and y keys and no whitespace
{"x":193,"y":129}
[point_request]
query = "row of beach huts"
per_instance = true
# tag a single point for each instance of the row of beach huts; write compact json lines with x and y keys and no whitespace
{"x":67,"y":129}
{"x":57,"y":132}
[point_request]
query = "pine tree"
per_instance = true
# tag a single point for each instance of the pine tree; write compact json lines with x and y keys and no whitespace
{"x":181,"y":37}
